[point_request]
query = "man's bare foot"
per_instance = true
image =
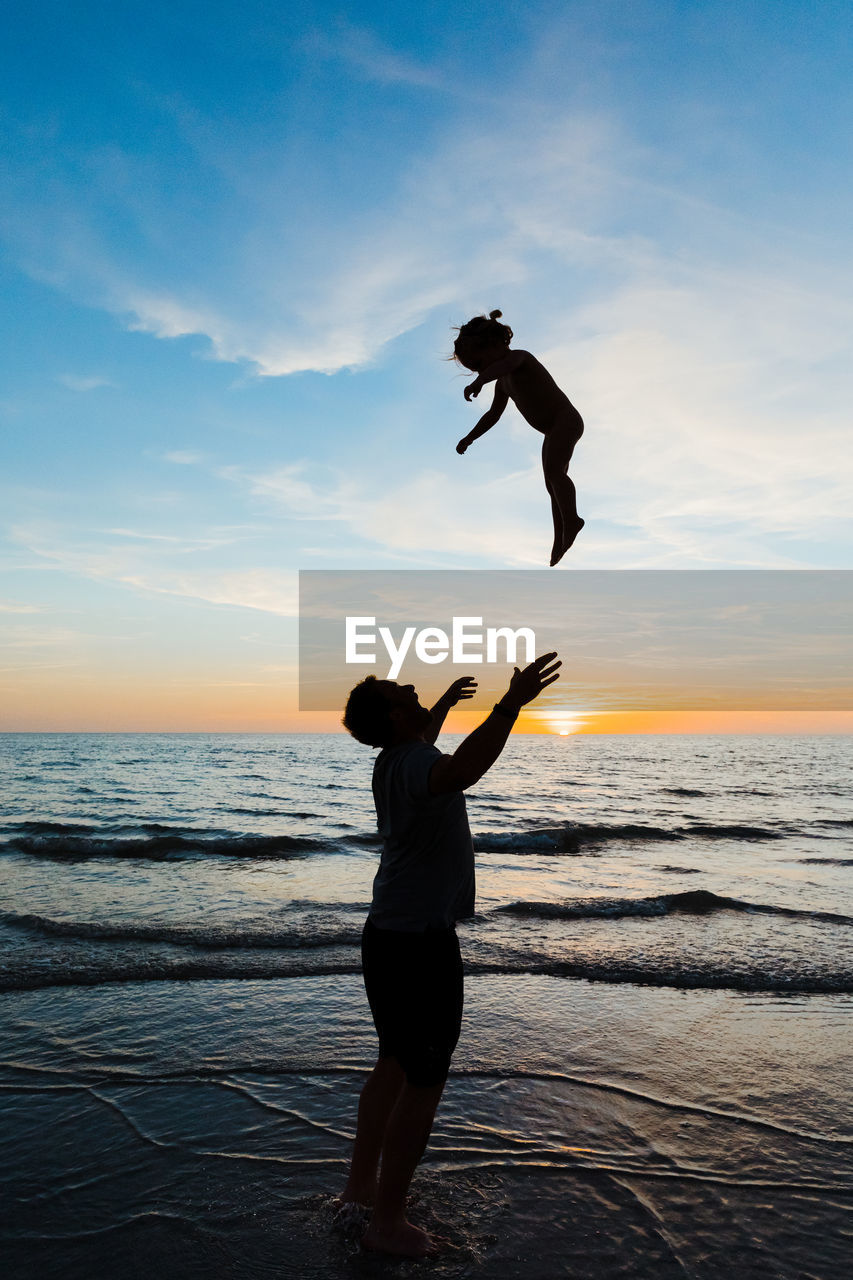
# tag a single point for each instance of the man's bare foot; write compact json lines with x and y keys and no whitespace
{"x":557,"y":549}
{"x":568,"y":541}
{"x":403,"y":1240}
{"x":353,"y":1194}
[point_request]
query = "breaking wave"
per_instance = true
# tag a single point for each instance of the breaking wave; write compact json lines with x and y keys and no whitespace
{"x":574,"y":837}
{"x":698,"y":902}
{"x":76,"y":842}
{"x":312,"y":933}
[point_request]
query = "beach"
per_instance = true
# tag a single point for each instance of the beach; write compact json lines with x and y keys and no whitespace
{"x":653,"y":1074}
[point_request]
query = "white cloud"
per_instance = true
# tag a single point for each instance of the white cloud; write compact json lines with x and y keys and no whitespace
{"x":28,"y":639}
{"x":706,"y":350}
{"x":157,"y":564}
{"x":330,"y":293}
{"x":269,"y":590}
{"x":14,"y":606}
{"x":178,"y":543}
{"x":164,"y":315}
{"x":435,"y":514}
{"x":301,"y":499}
{"x":529,"y":199}
{"x":81,"y":382}
{"x":361,"y":49}
{"x":183,"y":457}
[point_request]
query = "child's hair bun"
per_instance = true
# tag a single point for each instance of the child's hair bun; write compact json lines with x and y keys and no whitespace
{"x":480,"y":332}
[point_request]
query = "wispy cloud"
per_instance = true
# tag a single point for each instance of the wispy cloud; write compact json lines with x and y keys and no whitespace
{"x":705,"y":347}
{"x":183,"y":457}
{"x":360,"y":48}
{"x":83,"y":382}
{"x":269,"y":590}
{"x":13,"y":606}
{"x":167,"y":316}
{"x":435,"y":515}
{"x":329,"y":294}
{"x":290,"y":489}
{"x":177,"y":543}
{"x":698,"y":363}
{"x":706,"y":429}
{"x":156,"y":564}
{"x":29,"y":639}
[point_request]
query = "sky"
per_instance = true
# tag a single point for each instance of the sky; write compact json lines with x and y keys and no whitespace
{"x":637,"y":643}
{"x":234,"y":242}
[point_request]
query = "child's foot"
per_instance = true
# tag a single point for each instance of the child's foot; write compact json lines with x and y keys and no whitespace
{"x":402,"y":1240}
{"x":568,"y":541}
{"x":572,"y":534}
{"x":558,"y":548}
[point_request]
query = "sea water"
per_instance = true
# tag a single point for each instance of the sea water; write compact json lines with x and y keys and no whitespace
{"x":652,"y":1077}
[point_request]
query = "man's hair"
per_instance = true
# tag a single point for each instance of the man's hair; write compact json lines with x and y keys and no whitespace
{"x":367,"y":715}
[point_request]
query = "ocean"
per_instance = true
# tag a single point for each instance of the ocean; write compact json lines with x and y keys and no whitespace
{"x":653,"y":1075}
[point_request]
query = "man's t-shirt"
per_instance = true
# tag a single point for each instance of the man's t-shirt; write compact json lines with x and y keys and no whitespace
{"x":426,"y":874}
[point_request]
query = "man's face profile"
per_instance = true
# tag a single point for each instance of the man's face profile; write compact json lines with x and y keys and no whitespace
{"x":406,"y":713}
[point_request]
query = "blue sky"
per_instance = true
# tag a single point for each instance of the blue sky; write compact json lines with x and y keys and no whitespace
{"x":235,"y":240}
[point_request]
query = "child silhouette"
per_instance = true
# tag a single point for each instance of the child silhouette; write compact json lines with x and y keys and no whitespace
{"x":483,"y":347}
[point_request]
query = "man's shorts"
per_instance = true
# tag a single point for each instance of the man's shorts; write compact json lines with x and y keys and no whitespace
{"x":414,"y":987}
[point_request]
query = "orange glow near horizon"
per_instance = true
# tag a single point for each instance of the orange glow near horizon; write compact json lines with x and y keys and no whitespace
{"x":189,"y":702}
{"x":679,"y":721}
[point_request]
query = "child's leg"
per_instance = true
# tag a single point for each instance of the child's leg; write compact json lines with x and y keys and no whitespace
{"x":557,"y":449}
{"x":559,"y":528}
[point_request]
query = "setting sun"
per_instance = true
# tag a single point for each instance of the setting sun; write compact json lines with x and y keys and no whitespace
{"x":566,"y":726}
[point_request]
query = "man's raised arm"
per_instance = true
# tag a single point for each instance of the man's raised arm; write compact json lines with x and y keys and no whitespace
{"x":460,"y":690}
{"x":473,"y":757}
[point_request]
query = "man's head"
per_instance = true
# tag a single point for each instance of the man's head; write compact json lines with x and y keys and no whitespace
{"x":381,"y":713}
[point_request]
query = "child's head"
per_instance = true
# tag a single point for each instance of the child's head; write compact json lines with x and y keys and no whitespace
{"x":481,"y":337}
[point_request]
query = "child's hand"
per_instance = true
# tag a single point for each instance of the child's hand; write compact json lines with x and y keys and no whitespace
{"x":473,"y":389}
{"x":463,"y":444}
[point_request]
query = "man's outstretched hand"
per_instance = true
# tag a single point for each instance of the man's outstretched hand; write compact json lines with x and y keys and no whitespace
{"x":463,"y":444}
{"x":481,"y":748}
{"x":528,"y":684}
{"x":464,"y":687}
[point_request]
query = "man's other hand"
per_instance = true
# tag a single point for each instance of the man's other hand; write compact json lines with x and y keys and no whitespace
{"x":528,"y":684}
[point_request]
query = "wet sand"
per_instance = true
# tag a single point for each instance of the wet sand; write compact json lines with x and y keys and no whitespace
{"x":588,"y":1130}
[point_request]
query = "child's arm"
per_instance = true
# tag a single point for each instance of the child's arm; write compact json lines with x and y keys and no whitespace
{"x":511,"y":361}
{"x":462,"y":688}
{"x":487,"y":421}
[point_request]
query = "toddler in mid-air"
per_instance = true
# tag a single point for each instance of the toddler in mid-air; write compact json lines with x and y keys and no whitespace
{"x":483,"y":347}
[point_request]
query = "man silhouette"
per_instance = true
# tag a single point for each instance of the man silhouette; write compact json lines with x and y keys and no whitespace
{"x":410,"y":952}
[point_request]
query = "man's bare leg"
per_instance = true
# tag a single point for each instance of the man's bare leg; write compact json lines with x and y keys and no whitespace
{"x":406,"y":1137}
{"x":378,"y":1098}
